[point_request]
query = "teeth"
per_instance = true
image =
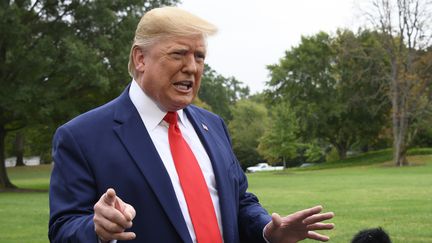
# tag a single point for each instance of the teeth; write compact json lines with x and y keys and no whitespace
{"x":184,"y":85}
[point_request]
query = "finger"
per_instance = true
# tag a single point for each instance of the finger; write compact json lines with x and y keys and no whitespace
{"x":318,"y":218}
{"x":109,"y":197}
{"x":119,"y":204}
{"x":315,"y":236}
{"x":103,"y":234}
{"x":125,"y":236}
{"x":320,"y":226}
{"x":126,"y":209}
{"x":273,"y":225}
{"x":276,"y":220}
{"x":106,"y":225}
{"x":303,"y":214}
{"x":121,"y":220}
{"x":115,"y":216}
{"x":311,"y":211}
{"x":108,"y":236}
{"x":129,"y":212}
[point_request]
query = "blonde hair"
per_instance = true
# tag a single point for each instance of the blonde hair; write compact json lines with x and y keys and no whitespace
{"x":167,"y":22}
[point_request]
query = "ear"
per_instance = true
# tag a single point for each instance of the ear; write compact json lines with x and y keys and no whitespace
{"x":138,"y":59}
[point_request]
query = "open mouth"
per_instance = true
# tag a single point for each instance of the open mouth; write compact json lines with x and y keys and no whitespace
{"x":183,"y":85}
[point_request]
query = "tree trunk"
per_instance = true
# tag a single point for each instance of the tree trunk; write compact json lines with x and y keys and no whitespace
{"x":342,"y":151}
{"x":4,"y":179}
{"x":399,"y":116}
{"x":400,"y":131}
{"x":19,"y":148}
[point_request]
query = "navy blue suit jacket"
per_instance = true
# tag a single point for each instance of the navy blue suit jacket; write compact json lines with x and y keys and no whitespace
{"x":110,"y":147}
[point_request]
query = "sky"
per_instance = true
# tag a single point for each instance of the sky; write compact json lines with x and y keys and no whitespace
{"x":256,"y":33}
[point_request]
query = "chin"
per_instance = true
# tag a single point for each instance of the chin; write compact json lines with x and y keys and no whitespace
{"x":175,"y":106}
{"x":183,"y":102}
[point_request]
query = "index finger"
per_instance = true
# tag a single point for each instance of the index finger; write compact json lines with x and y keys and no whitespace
{"x":307,"y":212}
{"x":110,"y":197}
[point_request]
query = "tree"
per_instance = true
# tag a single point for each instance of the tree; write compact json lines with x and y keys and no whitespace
{"x":280,"y":140}
{"x":220,"y":92}
{"x":333,"y":86}
{"x":246,"y":127}
{"x":60,"y":58}
{"x":37,"y":142}
{"x":19,"y":148}
{"x":406,"y":32}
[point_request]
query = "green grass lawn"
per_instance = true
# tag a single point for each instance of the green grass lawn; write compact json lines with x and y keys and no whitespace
{"x":370,"y":195}
{"x":24,"y":215}
{"x":397,"y":199}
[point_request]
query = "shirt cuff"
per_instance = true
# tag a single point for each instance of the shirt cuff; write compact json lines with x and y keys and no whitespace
{"x":267,"y":241}
{"x":112,"y":241}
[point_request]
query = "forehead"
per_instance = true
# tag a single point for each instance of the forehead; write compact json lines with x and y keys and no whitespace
{"x":183,"y":42}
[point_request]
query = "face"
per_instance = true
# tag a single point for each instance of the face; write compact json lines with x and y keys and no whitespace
{"x":170,"y":70}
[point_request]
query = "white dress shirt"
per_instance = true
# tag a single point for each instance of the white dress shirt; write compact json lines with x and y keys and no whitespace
{"x":152,"y":117}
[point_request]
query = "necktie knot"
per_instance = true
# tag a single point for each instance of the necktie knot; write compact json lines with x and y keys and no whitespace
{"x":171,"y":118}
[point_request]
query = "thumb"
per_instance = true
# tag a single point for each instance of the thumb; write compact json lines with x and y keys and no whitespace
{"x":119,"y":205}
{"x":272,"y":226}
{"x":110,"y":197}
{"x":276,"y":220}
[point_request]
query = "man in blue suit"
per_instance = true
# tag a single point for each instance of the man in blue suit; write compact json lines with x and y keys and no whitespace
{"x":114,"y":177}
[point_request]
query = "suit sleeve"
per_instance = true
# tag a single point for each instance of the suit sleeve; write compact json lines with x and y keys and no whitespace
{"x":72,"y":192}
{"x":252,"y":217}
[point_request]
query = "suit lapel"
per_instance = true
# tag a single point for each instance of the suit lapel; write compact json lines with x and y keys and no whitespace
{"x":131,"y":131}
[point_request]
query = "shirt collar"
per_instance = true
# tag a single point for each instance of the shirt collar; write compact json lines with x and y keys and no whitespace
{"x":151,"y":114}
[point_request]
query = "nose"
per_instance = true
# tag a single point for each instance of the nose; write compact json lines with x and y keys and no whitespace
{"x":189,"y":64}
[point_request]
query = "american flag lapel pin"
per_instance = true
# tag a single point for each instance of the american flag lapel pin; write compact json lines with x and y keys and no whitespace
{"x":204,"y":126}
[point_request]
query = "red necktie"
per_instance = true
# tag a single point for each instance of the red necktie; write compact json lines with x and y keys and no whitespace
{"x":194,"y":187}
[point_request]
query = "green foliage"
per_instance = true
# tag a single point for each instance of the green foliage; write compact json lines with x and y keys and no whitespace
{"x":332,"y":155}
{"x":313,"y":153}
{"x":423,"y":138}
{"x":36,"y":142}
{"x":420,"y":151}
{"x":369,"y":158}
{"x":422,"y":130}
{"x":198,"y":102}
{"x":220,"y":92}
{"x":61,"y":58}
{"x":334,"y":87}
{"x":246,"y":127}
{"x":279,"y":140}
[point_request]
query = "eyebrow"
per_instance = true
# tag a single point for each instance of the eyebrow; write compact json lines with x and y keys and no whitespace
{"x":180,"y":48}
{"x":185,"y":49}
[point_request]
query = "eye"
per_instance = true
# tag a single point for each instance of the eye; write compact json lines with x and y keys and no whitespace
{"x":200,"y":56}
{"x":177,"y":54}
